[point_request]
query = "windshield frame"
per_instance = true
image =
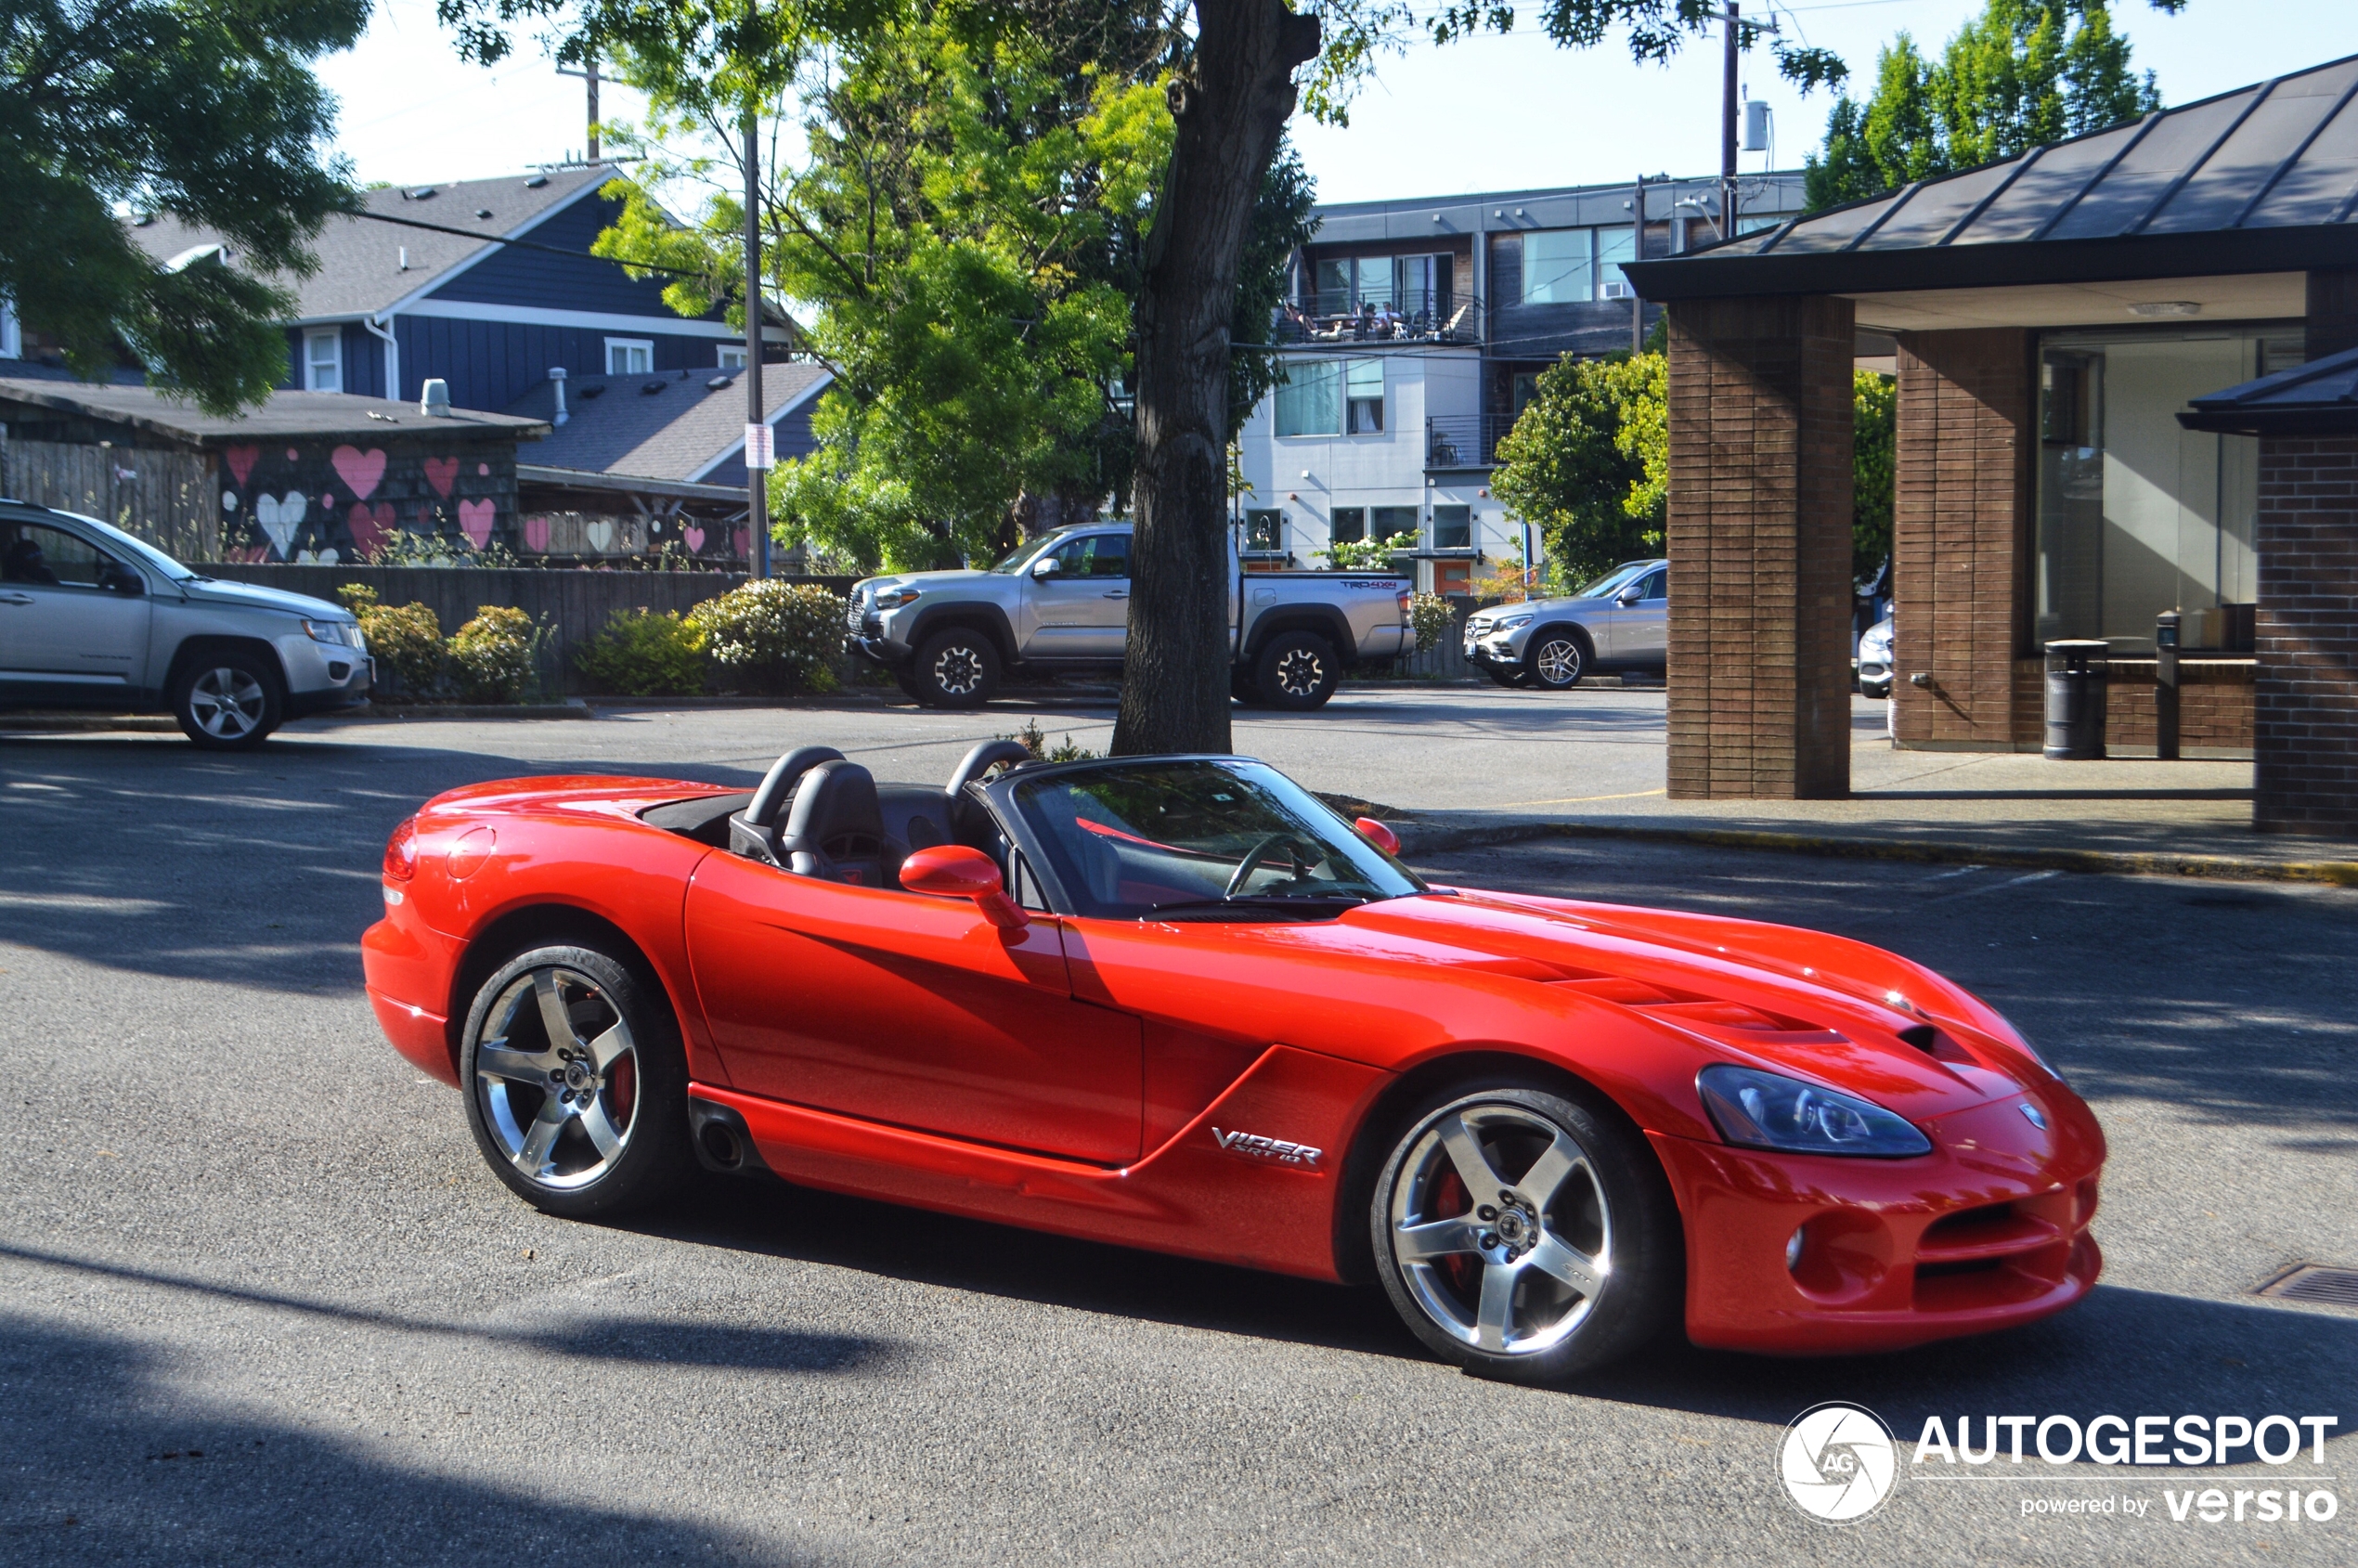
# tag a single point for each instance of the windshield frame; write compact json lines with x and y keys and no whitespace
{"x":1042,"y":864}
{"x":141,"y":551}
{"x":1016,"y":561}
{"x":1613,"y":581}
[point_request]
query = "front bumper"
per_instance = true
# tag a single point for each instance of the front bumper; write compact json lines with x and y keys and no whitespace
{"x":881,"y":651}
{"x":1500,"y":648}
{"x":1988,"y":1231}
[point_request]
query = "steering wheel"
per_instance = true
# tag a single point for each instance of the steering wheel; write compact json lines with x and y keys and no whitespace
{"x":1261,"y":851}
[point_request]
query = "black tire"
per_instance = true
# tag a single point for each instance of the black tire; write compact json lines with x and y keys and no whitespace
{"x":1241,"y":687}
{"x":957,"y":668}
{"x":1503,"y":677}
{"x":228,"y":700}
{"x":905,"y":677}
{"x":1296,"y":671}
{"x":1556,"y":658}
{"x":571,"y":1173}
{"x":1620,"y":1209}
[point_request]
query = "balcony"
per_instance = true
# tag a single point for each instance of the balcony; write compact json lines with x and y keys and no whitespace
{"x":1345,"y":318}
{"x":1463,"y":441}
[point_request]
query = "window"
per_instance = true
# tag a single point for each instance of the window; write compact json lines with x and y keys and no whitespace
{"x":731,"y":357}
{"x":1349,"y":524}
{"x":1556,"y":267}
{"x":1264,"y":532}
{"x":1453,"y":527}
{"x":1363,"y":385}
{"x":1390,"y":522}
{"x":323,"y":361}
{"x":631,"y":357}
{"x":43,"y":557}
{"x":1310,"y":401}
{"x":11,"y":339}
{"x":1522,"y":389}
{"x":1656,"y":586}
{"x":1613,"y":247}
{"x":1420,"y":287}
{"x":1095,"y":555}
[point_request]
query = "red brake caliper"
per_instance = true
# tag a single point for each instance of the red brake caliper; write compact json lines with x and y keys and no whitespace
{"x":1450,"y":1200}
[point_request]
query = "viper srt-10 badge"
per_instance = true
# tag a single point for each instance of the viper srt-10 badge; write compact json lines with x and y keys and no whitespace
{"x":1259,"y":1148}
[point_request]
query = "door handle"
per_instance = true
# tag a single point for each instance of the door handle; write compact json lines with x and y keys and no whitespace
{"x":1123,"y":594}
{"x":15,"y":598}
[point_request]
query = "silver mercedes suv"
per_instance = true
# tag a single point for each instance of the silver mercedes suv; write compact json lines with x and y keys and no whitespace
{"x":1621,"y":621}
{"x":91,"y":617}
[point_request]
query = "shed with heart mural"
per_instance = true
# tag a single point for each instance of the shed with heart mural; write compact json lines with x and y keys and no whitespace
{"x":308,"y":476}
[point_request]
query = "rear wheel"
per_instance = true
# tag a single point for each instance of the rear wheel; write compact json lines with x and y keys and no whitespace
{"x":229,"y":701}
{"x":1296,"y":671}
{"x":957,"y":668}
{"x":576,"y":1086}
{"x":1523,"y":1236}
{"x":1557,"y":661}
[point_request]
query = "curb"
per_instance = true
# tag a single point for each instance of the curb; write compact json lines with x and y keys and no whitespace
{"x":1417,"y":841}
{"x":576,"y":708}
{"x":87,"y":724}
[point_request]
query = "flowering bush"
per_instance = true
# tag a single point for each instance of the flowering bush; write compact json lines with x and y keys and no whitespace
{"x":1365,"y":555}
{"x":774,"y":635}
{"x":493,"y":655}
{"x":644,"y":654}
{"x":1430,"y":614}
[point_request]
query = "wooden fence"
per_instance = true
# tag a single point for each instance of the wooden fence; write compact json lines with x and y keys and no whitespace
{"x":154,"y":493}
{"x":573,"y":605}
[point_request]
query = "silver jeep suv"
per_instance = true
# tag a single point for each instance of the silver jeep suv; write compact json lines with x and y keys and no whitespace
{"x":1621,"y":621}
{"x":91,"y":617}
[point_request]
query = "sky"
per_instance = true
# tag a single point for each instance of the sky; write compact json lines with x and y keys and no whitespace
{"x":1490,"y":113}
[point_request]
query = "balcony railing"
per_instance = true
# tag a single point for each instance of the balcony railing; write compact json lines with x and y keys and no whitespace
{"x":1464,"y":440}
{"x":1405,"y":316}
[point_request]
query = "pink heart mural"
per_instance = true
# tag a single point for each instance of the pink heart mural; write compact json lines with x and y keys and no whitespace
{"x":745,"y":543}
{"x":694,"y":537}
{"x":362,"y":471}
{"x":370,"y":530}
{"x":241,"y":461}
{"x":441,"y":473}
{"x":475,"y":518}
{"x":535,"y":535}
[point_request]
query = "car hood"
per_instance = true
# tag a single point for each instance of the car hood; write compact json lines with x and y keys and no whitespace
{"x":923,"y":580}
{"x":251,"y":596}
{"x":1802,"y":1003}
{"x":1546,"y":607}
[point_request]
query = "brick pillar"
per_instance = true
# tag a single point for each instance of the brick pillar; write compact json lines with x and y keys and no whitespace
{"x":2305,"y":718}
{"x":1760,"y":547}
{"x":2333,"y":312}
{"x":1962,"y":532}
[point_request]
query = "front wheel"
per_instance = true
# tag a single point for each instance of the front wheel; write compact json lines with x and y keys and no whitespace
{"x":1557,"y":661}
{"x":576,"y":1086}
{"x":957,"y":668}
{"x":229,"y":701}
{"x":1524,"y":1236}
{"x":1296,"y":671}
{"x":1503,"y":677}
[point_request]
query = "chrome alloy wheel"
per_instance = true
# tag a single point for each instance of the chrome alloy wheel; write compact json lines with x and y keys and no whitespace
{"x":1500,"y":1228}
{"x":958,"y":672}
{"x":1300,"y":672}
{"x":227,"y":702}
{"x":556,"y":1075}
{"x":1557,"y":661}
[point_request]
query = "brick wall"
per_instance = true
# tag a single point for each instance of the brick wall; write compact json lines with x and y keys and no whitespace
{"x":1961,"y":533}
{"x":2306,"y":710}
{"x":1759,"y":548}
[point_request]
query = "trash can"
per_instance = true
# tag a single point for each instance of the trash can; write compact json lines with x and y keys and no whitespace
{"x":2077,"y":670}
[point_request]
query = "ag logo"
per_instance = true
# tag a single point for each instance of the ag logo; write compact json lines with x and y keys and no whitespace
{"x":1838,"y":1461}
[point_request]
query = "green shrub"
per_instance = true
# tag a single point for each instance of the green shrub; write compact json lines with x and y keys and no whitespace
{"x":1033,"y":740}
{"x":493,"y":655}
{"x":407,"y":643}
{"x":774,"y":635}
{"x":1430,"y":613}
{"x":644,"y":654}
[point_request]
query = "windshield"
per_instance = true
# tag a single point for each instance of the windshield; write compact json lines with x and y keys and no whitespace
{"x":140,"y":548}
{"x":1024,"y":554}
{"x":1202,"y":840}
{"x":1611,"y":582}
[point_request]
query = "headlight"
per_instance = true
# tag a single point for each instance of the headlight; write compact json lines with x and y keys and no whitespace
{"x":893,"y":597}
{"x":343,"y":634}
{"x":1513,"y":621}
{"x":1768,"y":1110}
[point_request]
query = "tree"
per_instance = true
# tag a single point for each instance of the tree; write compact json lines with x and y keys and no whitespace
{"x":1874,"y":424}
{"x":2023,"y":73}
{"x":206,"y":111}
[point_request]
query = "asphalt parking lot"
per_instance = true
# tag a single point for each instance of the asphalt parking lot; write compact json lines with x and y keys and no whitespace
{"x":260,"y":1301}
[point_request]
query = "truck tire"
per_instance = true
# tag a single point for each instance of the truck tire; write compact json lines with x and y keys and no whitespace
{"x":1296,"y":671}
{"x":956,"y":668}
{"x":228,"y":700}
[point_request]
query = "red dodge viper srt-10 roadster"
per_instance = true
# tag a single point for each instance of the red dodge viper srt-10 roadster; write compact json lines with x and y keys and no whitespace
{"x":1177,"y":1003}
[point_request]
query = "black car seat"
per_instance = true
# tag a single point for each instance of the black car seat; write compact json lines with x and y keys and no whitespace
{"x":969,"y":820}
{"x":835,"y":830}
{"x":754,"y":831}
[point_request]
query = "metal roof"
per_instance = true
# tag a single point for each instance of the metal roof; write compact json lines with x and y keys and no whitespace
{"x":689,"y":420}
{"x":2261,"y":179}
{"x":2318,"y":398}
{"x":285,"y":415}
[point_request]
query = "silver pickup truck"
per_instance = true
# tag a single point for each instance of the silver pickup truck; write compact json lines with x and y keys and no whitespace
{"x":91,"y":617}
{"x":1062,"y":603}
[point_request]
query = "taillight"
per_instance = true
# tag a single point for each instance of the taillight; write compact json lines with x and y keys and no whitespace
{"x":1407,"y":602}
{"x":401,"y":852}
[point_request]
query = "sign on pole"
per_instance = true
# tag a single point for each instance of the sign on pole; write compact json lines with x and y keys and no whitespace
{"x":762,"y":450}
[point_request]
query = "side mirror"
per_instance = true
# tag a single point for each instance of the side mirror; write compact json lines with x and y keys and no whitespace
{"x":127,"y":583}
{"x":954,"y":871}
{"x":1046,"y":566}
{"x":1629,"y":597}
{"x":1380,"y":836}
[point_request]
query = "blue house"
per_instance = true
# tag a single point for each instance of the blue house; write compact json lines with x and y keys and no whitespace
{"x":485,"y":284}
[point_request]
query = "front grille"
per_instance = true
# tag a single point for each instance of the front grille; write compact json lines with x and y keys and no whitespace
{"x":2000,"y":1253}
{"x":870,"y":625}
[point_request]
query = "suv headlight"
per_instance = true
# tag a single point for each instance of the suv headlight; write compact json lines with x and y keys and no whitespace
{"x":1768,"y":1110}
{"x":1511,"y":622}
{"x":343,"y":634}
{"x":893,"y":597}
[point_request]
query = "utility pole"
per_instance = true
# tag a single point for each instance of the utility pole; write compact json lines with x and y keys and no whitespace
{"x":759,"y":454}
{"x":1637,"y":249}
{"x":1727,"y":130}
{"x":589,"y":74}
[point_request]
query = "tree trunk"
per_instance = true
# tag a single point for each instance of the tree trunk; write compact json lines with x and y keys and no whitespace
{"x":1174,"y":684}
